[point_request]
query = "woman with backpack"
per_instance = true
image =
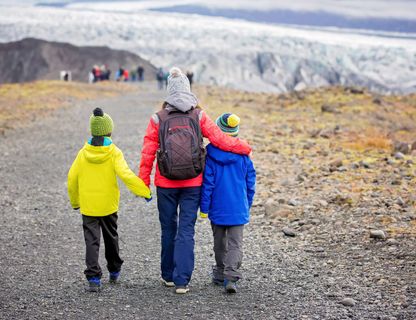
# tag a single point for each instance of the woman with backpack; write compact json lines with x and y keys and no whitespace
{"x":175,"y":134}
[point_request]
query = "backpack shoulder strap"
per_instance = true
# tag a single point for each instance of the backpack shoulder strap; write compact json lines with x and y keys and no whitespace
{"x":162,"y":115}
{"x":195,"y":113}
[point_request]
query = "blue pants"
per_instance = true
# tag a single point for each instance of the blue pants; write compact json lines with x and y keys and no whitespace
{"x":177,"y":257}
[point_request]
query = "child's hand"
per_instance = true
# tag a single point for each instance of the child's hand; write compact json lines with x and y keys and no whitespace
{"x":148,"y":199}
{"x":203,"y":215}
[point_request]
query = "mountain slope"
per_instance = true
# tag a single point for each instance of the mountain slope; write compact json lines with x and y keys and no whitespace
{"x":232,"y":53}
{"x":32,"y":59}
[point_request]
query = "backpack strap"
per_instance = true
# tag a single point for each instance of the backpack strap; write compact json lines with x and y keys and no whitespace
{"x":196,"y":114}
{"x":162,"y":115}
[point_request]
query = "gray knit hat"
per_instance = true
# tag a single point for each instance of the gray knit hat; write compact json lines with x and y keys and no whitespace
{"x":177,"y":81}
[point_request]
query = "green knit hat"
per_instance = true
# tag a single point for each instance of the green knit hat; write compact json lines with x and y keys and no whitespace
{"x":229,"y":123}
{"x":101,"y":123}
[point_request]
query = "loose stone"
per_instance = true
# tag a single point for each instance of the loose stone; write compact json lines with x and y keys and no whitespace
{"x":377,"y":234}
{"x":399,"y":156}
{"x":348,"y":302}
{"x":288,"y":232}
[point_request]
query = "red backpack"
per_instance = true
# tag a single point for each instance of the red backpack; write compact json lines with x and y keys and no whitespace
{"x":181,"y":154}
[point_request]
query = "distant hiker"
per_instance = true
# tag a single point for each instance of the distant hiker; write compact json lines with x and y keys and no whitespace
{"x":165,"y":79}
{"x":102,"y":73}
{"x":190,"y":76}
{"x":93,"y":188}
{"x":133,"y":75}
{"x":93,"y":74}
{"x":226,"y":198}
{"x":117,"y":75}
{"x":108,"y":74}
{"x":65,"y":75}
{"x":96,"y":72}
{"x":105,"y":73}
{"x":175,"y":134}
{"x":140,"y":73}
{"x":120,"y":74}
{"x":160,"y":76}
{"x":126,"y":75}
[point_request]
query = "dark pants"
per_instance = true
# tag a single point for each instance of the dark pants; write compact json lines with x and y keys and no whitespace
{"x":92,"y":231}
{"x":228,"y":249}
{"x":177,"y":257}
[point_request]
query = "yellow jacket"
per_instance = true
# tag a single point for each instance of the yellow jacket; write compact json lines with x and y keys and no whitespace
{"x":92,"y":182}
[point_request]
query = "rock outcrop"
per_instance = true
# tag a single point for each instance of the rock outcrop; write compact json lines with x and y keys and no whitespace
{"x":33,"y":59}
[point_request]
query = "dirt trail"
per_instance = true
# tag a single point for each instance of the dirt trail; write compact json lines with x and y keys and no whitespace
{"x":42,"y":251}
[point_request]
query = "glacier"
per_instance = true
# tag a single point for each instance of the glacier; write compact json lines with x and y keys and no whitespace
{"x":234,"y":53}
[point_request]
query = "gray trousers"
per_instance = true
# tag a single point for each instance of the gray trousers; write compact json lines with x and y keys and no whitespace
{"x":228,"y":249}
{"x":93,"y":226}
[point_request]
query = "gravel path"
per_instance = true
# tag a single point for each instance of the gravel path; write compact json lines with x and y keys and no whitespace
{"x":42,"y":248}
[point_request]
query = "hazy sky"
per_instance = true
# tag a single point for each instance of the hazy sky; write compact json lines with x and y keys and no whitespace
{"x":400,"y":9}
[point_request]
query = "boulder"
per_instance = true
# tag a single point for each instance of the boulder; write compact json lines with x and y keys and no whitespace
{"x":402,"y":147}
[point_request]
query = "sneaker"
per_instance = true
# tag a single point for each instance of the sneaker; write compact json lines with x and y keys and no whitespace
{"x":94,"y":285}
{"x":230,"y":286}
{"x":217,"y":282}
{"x":168,"y":284}
{"x":182,"y":289}
{"x":114,"y":276}
{"x":216,"y":276}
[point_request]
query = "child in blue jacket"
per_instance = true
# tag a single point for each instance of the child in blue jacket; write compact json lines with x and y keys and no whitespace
{"x":227,"y":195}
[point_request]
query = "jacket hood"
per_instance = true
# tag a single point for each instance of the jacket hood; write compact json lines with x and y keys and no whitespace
{"x":182,"y":100}
{"x":222,"y":157}
{"x":95,"y":154}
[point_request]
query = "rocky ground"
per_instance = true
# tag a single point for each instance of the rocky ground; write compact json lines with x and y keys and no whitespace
{"x":326,"y":177}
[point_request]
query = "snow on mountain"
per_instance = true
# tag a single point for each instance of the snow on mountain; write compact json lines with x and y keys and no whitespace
{"x":229,"y":52}
{"x":401,"y":9}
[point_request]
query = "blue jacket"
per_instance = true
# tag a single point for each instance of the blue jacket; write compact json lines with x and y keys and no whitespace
{"x":228,"y":187}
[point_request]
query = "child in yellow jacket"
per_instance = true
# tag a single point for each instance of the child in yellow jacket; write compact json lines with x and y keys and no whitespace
{"x":93,"y":188}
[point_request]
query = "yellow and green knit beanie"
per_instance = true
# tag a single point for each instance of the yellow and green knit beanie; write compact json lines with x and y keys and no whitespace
{"x":229,"y":123}
{"x":101,"y":123}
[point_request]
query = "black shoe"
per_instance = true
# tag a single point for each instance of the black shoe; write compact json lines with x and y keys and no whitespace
{"x":217,"y":276}
{"x":217,"y":282}
{"x":94,"y":285}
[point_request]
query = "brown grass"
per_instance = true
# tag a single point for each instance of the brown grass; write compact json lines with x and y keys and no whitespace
{"x":285,"y":131}
{"x":19,"y":102}
{"x":370,"y":140}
